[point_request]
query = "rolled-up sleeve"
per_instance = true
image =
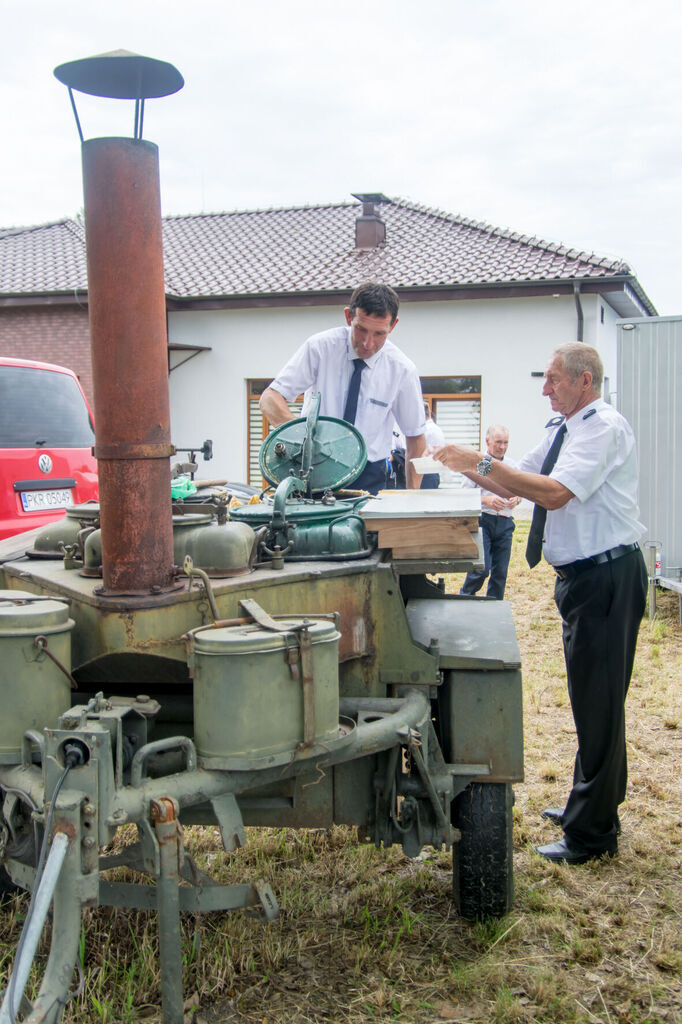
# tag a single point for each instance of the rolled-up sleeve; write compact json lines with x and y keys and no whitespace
{"x":298,"y":374}
{"x":584,"y":467}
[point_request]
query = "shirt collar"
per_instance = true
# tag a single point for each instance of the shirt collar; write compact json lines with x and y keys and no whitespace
{"x":574,"y":422}
{"x":370,"y":360}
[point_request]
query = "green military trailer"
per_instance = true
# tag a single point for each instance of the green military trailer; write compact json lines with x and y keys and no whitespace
{"x":268,"y":665}
{"x":221,"y":701}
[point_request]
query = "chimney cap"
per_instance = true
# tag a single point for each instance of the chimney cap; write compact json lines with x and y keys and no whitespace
{"x":371,"y":197}
{"x":121,"y":75}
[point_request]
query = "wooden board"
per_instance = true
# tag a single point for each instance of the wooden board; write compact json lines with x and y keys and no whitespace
{"x":396,"y":526}
{"x":437,"y":538}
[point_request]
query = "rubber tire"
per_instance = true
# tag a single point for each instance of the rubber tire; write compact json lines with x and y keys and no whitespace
{"x":482,"y":862}
{"x":7,"y":887}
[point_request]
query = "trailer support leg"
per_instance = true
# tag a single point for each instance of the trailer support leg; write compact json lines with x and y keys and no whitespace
{"x":168,"y":835}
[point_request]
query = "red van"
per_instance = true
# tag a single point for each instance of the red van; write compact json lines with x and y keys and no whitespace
{"x":46,"y":437}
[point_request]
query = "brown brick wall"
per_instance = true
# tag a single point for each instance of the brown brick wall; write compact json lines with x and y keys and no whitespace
{"x":52,"y":334}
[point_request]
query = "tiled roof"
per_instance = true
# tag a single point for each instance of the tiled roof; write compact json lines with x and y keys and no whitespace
{"x":49,"y":258}
{"x":306,"y":249}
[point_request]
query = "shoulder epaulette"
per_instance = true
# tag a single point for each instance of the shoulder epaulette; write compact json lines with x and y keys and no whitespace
{"x":555,"y":421}
{"x":590,"y":412}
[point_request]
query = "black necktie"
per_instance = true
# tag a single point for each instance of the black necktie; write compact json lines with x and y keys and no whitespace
{"x":351,"y":406}
{"x":537,"y":526}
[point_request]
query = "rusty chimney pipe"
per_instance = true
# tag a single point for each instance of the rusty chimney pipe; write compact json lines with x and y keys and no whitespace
{"x":127,"y":303}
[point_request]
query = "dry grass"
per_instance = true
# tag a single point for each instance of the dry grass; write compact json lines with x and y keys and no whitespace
{"x":366,"y":935}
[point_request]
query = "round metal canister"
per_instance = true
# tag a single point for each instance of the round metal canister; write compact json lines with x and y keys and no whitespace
{"x":248,"y":692}
{"x":34,"y":691}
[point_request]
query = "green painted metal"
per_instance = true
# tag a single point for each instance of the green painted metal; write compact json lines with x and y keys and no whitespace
{"x":53,"y":538}
{"x":249,"y":701}
{"x":35,"y":640}
{"x":220,"y":549}
{"x":482,"y":718}
{"x":338,"y":455}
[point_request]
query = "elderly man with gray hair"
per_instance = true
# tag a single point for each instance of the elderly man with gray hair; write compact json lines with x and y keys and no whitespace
{"x":497,"y":525}
{"x":583,"y":480}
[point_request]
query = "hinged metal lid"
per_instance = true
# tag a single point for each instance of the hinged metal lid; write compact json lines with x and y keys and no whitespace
{"x":254,"y":639}
{"x":22,"y":612}
{"x":336,"y":450}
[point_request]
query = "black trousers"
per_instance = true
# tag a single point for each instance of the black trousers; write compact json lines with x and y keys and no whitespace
{"x":601,"y":611}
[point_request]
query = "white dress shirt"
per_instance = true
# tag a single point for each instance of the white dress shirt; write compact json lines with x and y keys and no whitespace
{"x":598,"y":464}
{"x":390,"y":389}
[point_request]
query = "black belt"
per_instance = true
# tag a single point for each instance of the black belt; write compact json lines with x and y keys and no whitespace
{"x":565,"y":572}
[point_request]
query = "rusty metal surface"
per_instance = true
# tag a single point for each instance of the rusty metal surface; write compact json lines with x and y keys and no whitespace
{"x":129,"y":342}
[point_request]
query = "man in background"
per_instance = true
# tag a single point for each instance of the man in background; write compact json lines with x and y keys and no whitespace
{"x":497,"y":525}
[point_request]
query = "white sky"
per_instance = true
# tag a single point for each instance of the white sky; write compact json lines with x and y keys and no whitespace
{"x":560,"y":120}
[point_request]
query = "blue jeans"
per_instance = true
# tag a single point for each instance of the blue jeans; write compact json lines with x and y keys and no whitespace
{"x":496,"y":532}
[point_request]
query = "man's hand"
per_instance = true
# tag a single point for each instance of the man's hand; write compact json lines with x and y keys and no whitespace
{"x":494,"y":502}
{"x":503,"y":480}
{"x":457,"y":457}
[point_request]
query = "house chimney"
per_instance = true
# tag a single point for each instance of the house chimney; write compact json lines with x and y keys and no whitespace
{"x":370,"y":230}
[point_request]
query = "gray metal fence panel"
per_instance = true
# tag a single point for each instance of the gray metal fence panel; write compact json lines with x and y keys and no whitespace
{"x":649,"y":396}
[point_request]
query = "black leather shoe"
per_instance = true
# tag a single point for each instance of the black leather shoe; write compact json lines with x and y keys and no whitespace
{"x":555,"y":815}
{"x":566,"y":852}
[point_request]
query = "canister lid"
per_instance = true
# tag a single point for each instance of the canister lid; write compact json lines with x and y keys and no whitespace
{"x":89,"y":510}
{"x":252,"y":639}
{"x":22,"y":612}
{"x":339,"y":453}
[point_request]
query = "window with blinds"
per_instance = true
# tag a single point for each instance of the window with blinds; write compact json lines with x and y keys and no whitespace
{"x":259,"y":428}
{"x":456,"y":407}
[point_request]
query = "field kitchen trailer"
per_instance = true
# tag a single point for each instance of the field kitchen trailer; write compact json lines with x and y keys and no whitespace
{"x":288,"y":663}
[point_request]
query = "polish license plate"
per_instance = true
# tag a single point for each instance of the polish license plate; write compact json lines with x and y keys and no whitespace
{"x":38,"y":501}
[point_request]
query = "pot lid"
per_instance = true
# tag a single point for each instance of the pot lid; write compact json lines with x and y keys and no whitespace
{"x":304,"y":511}
{"x":327,"y":451}
{"x":254,"y":639}
{"x":22,"y":612}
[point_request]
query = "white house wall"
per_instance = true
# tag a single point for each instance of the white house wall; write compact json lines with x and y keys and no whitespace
{"x":502,"y":340}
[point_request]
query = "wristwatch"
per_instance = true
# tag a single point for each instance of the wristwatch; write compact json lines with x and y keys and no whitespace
{"x":485,"y":465}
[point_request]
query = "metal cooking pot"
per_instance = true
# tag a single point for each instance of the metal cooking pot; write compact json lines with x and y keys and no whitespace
{"x":304,"y":529}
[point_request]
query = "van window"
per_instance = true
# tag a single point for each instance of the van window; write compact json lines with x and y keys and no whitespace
{"x":42,"y":408}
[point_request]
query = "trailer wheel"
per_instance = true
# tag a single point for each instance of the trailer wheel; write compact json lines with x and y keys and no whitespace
{"x":482,"y":862}
{"x":7,"y":887}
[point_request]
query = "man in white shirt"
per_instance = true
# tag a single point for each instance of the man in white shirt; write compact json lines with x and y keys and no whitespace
{"x":497,"y":525}
{"x":583,"y":480}
{"x":362,"y":377}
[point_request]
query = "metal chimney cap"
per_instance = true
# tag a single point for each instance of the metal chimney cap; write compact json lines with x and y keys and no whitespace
{"x":371,"y":197}
{"x":121,"y":75}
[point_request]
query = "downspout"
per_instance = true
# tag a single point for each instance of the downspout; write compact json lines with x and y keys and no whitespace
{"x":579,"y":311}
